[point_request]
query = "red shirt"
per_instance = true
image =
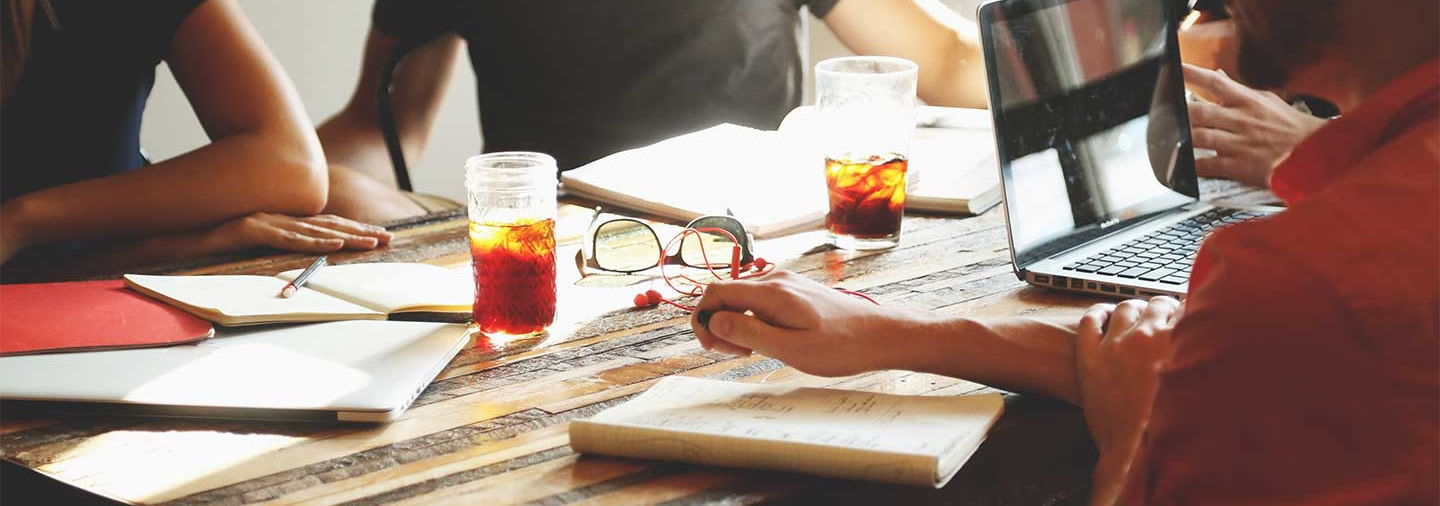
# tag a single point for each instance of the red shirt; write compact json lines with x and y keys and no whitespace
{"x":1306,"y":368}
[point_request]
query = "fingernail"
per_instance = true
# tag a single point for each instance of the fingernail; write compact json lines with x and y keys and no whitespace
{"x":703,"y":316}
{"x":721,"y":327}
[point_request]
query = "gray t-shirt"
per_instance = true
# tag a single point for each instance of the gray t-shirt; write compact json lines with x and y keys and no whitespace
{"x":581,"y":79}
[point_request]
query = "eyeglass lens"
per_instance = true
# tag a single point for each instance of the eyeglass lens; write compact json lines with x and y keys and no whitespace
{"x":626,"y":246}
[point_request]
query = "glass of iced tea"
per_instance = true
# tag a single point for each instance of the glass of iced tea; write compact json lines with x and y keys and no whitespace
{"x":866,"y":117}
{"x":512,"y":242}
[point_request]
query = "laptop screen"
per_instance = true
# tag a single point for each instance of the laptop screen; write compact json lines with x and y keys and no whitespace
{"x":1090,"y":118}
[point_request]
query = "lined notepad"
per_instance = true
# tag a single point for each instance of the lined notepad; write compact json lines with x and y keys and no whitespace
{"x":913,"y":440}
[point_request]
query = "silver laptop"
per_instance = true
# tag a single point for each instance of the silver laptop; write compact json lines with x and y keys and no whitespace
{"x":1093,"y":143}
{"x":355,"y":371}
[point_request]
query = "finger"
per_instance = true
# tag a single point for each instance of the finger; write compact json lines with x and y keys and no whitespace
{"x":1227,"y":167}
{"x":289,"y":240}
{"x":1159,"y":311}
{"x":1092,"y":326}
{"x":1175,"y":317}
{"x":1214,"y":166}
{"x":731,"y":349}
{"x":699,"y":322}
{"x":350,"y":241}
{"x":1215,"y":86}
{"x":1207,"y":115}
{"x":347,"y":225}
{"x":1123,"y":318}
{"x":748,"y":332}
{"x":1221,"y":141}
{"x":769,"y":300}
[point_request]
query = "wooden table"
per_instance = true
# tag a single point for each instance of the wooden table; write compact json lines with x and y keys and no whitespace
{"x":492,"y":428}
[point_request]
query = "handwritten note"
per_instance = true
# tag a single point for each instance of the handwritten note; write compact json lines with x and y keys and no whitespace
{"x":721,"y":422}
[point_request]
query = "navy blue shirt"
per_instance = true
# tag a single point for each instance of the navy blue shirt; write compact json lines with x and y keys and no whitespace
{"x":581,"y":79}
{"x":75,"y":113}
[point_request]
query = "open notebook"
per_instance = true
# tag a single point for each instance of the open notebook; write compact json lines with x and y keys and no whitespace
{"x":750,"y":173}
{"x":774,"y":181}
{"x":338,"y":292}
{"x":912,"y":440}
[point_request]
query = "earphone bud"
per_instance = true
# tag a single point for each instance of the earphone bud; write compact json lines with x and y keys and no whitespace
{"x":650,"y":298}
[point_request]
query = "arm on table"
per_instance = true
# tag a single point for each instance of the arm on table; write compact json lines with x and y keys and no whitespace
{"x":263,"y":157}
{"x":1106,"y":363}
{"x":362,"y":177}
{"x":945,"y":45}
{"x":822,"y":331}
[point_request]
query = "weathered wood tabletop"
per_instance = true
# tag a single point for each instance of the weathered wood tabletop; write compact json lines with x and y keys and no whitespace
{"x":492,"y":427}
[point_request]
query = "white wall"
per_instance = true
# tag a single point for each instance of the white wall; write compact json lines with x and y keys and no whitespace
{"x":320,"y":44}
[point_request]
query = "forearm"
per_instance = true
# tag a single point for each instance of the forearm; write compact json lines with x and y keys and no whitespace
{"x":231,"y":177}
{"x":1015,"y":354}
{"x":356,"y":143}
{"x":944,"y":45}
{"x":955,"y":76}
{"x":353,"y":137}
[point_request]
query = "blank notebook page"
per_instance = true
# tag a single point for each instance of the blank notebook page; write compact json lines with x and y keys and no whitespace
{"x":245,"y":296}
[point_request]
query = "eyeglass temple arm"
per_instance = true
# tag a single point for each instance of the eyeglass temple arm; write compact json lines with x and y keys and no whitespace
{"x":749,"y":237}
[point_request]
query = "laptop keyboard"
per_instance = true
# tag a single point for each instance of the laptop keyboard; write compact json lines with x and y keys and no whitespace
{"x":1163,"y":256}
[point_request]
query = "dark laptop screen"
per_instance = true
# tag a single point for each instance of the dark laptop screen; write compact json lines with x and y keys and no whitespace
{"x":1090,"y":117}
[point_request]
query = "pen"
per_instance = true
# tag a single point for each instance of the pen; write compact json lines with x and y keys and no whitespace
{"x":304,"y":276}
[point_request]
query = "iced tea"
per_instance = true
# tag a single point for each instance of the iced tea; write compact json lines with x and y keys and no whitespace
{"x":867,"y":196}
{"x":514,"y":268}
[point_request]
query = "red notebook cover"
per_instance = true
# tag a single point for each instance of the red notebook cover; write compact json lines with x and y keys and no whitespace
{"x":89,"y":316}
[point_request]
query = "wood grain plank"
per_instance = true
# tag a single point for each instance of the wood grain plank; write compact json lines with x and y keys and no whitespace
{"x":432,"y":419}
{"x":417,"y":472}
{"x":662,"y":489}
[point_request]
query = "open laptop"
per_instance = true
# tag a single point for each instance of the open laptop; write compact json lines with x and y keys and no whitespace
{"x":352,"y":371}
{"x":1093,"y":142}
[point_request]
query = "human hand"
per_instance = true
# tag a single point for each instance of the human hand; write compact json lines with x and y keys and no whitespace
{"x":809,"y":326}
{"x":311,"y":234}
{"x":1119,"y":350}
{"x":1251,"y":131}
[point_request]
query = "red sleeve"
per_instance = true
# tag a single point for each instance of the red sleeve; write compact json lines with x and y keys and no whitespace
{"x":1272,"y":395}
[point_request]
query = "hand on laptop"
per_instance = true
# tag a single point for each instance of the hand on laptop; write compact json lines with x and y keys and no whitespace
{"x":1250,"y":130}
{"x":809,"y":326}
{"x":1118,"y":352}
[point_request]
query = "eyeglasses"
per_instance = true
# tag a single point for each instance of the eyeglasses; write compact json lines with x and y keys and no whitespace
{"x":628,"y":246}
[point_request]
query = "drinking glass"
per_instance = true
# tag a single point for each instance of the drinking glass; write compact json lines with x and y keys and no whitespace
{"x":512,"y":242}
{"x":866,"y":117}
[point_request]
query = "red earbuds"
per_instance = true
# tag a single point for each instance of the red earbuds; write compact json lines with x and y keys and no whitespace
{"x":648,"y":299}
